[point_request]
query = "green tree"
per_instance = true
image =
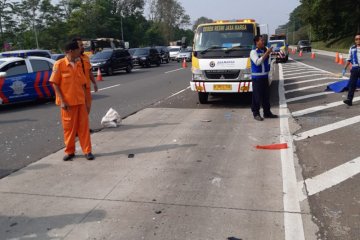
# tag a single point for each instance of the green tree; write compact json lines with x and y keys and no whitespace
{"x":201,"y":20}
{"x":170,"y":14}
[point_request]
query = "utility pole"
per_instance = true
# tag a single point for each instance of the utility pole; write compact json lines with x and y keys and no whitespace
{"x":34,"y":27}
{"x":121,"y":25}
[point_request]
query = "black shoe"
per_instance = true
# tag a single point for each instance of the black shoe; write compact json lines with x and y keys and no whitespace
{"x":68,"y":157}
{"x":270,"y":115}
{"x":348,"y":102}
{"x":89,"y":156}
{"x":258,"y":118}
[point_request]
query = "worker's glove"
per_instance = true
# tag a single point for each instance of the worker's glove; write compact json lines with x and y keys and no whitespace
{"x":343,"y":72}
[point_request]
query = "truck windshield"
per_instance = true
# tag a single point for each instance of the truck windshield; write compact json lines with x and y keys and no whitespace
{"x":222,"y":37}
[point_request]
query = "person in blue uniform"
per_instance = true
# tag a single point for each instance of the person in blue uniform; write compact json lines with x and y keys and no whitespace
{"x":354,"y":60}
{"x":260,"y":68}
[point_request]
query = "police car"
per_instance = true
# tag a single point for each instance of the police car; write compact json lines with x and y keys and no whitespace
{"x":25,"y":79}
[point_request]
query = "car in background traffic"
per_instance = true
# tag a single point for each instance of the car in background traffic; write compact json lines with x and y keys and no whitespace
{"x":280,"y":50}
{"x":164,"y":54}
{"x":26,"y":53}
{"x":110,"y":60}
{"x":173,"y":52}
{"x":304,"y":45}
{"x":185,"y":53}
{"x":25,"y":79}
{"x":57,"y":56}
{"x":132,"y":51}
{"x":146,"y":57}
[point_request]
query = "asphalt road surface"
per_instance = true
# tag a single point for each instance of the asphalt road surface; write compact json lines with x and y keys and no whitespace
{"x":32,"y":131}
{"x":206,"y":177}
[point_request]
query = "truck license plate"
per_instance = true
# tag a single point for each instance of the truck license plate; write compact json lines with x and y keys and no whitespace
{"x":223,"y":87}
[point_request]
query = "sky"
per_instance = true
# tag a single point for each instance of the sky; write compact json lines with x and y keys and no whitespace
{"x":271,"y":12}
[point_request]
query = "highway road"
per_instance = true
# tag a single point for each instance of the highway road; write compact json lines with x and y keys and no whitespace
{"x":32,"y":131}
{"x":176,"y":169}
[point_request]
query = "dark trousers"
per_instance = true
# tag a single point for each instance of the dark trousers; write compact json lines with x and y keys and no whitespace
{"x":260,"y":96}
{"x":355,"y":75}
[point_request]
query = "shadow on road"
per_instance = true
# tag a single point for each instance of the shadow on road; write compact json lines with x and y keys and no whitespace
{"x":24,"y":227}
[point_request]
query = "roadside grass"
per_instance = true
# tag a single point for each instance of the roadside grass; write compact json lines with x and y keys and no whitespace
{"x":336,"y":45}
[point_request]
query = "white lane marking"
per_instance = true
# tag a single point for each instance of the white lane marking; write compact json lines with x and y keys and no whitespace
{"x":299,"y":73}
{"x":327,"y":128}
{"x":311,"y":80}
{"x":174,"y":70}
{"x":102,"y":89}
{"x":320,"y":108}
{"x":303,"y":76}
{"x":308,"y":87}
{"x":332,"y":177}
{"x":293,"y":224}
{"x":300,"y":69}
{"x":296,"y":69}
{"x":307,"y":96}
{"x":177,"y":93}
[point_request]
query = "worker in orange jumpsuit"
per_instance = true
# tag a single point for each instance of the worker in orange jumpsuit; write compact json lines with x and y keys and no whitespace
{"x":69,"y":84}
{"x":86,"y":65}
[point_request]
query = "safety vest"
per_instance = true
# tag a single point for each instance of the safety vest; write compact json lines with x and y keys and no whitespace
{"x":261,"y":71}
{"x":353,"y":58}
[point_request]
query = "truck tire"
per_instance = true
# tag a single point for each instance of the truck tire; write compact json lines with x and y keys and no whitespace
{"x":203,"y":97}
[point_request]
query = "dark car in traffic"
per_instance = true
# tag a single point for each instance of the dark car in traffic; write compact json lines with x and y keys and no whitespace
{"x":304,"y":45}
{"x":146,"y":57}
{"x":110,"y":60}
{"x":164,"y":54}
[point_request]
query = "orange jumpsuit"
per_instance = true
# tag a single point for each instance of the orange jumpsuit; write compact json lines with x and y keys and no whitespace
{"x":71,"y":82}
{"x":86,"y":65}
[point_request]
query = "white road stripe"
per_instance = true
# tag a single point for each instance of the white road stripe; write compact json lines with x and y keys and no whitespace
{"x":296,"y":70}
{"x":307,"y":96}
{"x":320,"y":108}
{"x":327,"y":128}
{"x":311,"y":80}
{"x":102,"y":89}
{"x":293,"y":224}
{"x":174,"y":70}
{"x":308,"y":87}
{"x":303,"y":76}
{"x":177,"y":93}
{"x":332,"y":177}
{"x":299,"y":73}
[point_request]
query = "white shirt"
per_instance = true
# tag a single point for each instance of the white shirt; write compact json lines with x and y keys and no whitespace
{"x":255,"y":58}
{"x":358,"y":54}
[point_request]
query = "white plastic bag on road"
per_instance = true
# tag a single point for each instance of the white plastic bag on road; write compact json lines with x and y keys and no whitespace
{"x":111,"y":120}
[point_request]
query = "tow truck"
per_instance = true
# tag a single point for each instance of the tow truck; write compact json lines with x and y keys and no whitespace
{"x":220,"y":59}
{"x":25,"y":78}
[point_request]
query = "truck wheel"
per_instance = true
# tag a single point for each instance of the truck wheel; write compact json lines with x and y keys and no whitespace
{"x":203,"y":97}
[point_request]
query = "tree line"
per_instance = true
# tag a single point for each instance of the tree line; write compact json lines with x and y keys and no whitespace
{"x":29,"y":24}
{"x":323,"y":20}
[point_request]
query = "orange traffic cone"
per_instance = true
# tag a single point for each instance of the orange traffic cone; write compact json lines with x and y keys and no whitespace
{"x":184,"y":64}
{"x":99,"y":75}
{"x":300,"y":53}
{"x":312,"y":55}
{"x":294,"y":51}
{"x":337,"y":57}
{"x":341,"y":60}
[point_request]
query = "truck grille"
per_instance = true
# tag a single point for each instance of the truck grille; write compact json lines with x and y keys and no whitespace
{"x":222,"y":74}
